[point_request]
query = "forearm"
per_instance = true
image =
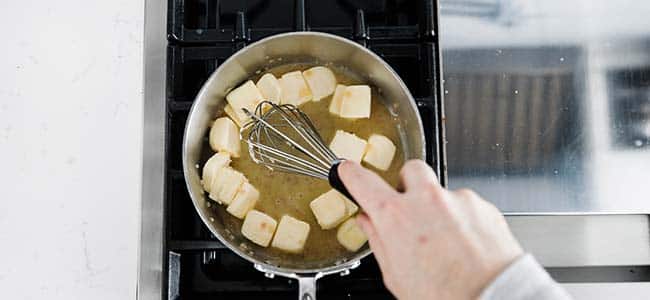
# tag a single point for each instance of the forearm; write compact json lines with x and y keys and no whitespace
{"x":524,"y":279}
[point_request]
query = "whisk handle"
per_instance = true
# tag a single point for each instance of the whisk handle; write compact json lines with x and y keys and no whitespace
{"x":335,"y":180}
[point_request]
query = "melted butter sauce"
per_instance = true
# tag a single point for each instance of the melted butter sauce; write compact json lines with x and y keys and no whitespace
{"x":290,"y":194}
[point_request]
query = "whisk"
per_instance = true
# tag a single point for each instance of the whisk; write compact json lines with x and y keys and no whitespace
{"x":283,"y":138}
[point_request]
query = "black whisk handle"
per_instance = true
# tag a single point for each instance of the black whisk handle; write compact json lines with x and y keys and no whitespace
{"x":335,"y":180}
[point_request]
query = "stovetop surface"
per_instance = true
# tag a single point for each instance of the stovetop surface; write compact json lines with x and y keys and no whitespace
{"x":201,"y":35}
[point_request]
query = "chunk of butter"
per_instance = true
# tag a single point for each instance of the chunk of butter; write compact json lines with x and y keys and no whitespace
{"x":350,"y":235}
{"x":294,"y":89}
{"x":321,"y":81}
{"x":244,"y":200}
{"x":380,"y":152}
{"x":356,"y":102}
{"x":335,"y":105}
{"x":212,"y":167}
{"x":269,"y":87}
{"x":258,"y":227}
{"x":224,"y":136}
{"x":226,"y":184}
{"x":291,"y":235}
{"x":329,"y":209}
{"x":244,"y":96}
{"x":347,"y":145}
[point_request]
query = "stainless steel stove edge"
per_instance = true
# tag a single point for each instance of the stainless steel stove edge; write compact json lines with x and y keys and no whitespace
{"x":150,"y":251}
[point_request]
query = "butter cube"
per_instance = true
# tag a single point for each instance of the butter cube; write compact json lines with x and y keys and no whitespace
{"x":380,"y":152}
{"x":321,"y":81}
{"x":226,"y":184}
{"x":291,"y":235}
{"x":269,"y":87}
{"x":212,"y":168}
{"x":245,"y":200}
{"x":356,"y":102}
{"x":244,"y":96}
{"x":224,"y":136}
{"x":335,"y":105}
{"x":350,"y":235}
{"x":230,"y":112}
{"x":329,"y":209}
{"x":348,"y":146}
{"x":294,"y":89}
{"x":258,"y":227}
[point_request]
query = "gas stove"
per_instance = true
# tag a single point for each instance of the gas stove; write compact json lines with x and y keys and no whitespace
{"x":185,"y":41}
{"x":201,"y":35}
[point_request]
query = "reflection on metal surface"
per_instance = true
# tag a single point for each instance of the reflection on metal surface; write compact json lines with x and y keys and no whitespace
{"x":630,"y":108}
{"x":522,"y":127}
{"x":501,"y":11}
{"x":174,"y":273}
{"x":550,"y":114}
{"x":609,"y":290}
{"x":585,"y":240}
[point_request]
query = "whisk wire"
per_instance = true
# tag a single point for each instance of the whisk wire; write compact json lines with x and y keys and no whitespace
{"x":289,"y":157}
{"x":260,"y":120}
{"x":316,"y":138}
{"x":307,"y":136}
{"x":282,"y":137}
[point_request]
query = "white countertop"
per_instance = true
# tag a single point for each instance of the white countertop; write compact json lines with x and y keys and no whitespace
{"x":70,"y":145}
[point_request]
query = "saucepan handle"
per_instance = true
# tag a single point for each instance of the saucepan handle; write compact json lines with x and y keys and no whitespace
{"x":335,"y":180}
{"x":307,"y":288}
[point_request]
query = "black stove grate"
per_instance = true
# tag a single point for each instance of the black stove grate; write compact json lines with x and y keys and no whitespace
{"x":202,"y":34}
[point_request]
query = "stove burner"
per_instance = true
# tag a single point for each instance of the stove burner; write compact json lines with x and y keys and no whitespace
{"x":202,"y":34}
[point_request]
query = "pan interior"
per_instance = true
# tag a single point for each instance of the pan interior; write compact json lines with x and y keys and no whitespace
{"x":279,"y":54}
{"x":283,"y":193}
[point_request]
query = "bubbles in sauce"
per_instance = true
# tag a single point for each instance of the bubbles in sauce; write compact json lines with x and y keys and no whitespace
{"x":282,"y":193}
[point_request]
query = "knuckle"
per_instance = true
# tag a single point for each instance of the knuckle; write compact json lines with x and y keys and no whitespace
{"x":491,"y":207}
{"x":432,"y":190}
{"x":466,"y":194}
{"x":443,"y":207}
{"x":413,"y":163}
{"x":437,"y":198}
{"x":405,"y":170}
{"x":496,"y":213}
{"x":415,"y":166}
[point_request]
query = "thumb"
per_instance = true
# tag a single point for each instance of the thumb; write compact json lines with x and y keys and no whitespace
{"x":367,"y":188}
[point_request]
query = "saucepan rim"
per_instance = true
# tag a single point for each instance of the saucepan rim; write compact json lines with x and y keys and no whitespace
{"x":188,"y":167}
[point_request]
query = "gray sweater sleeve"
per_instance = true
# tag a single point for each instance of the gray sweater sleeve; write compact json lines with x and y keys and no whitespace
{"x":524,"y":279}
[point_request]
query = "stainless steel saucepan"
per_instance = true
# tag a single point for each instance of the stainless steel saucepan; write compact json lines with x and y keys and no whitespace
{"x":277,"y":50}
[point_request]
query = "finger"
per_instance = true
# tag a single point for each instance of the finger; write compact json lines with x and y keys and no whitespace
{"x":374,"y":240}
{"x":367,"y":188}
{"x":416,"y":174}
{"x":465,"y":193}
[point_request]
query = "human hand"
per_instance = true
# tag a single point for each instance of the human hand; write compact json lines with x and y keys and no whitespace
{"x":430,"y":243}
